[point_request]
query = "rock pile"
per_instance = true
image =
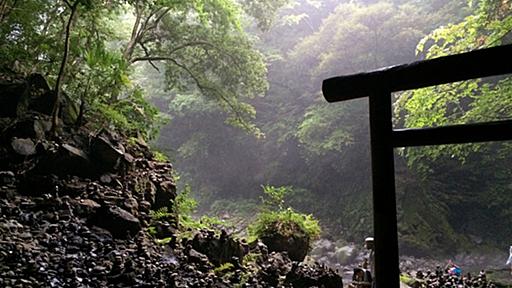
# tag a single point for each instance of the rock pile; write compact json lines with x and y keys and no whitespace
{"x":75,"y":211}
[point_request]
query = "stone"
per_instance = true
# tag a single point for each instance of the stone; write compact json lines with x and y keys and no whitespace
{"x":107,"y":155}
{"x":165,"y":194}
{"x":219,"y":249}
{"x":10,"y":95}
{"x":121,"y":223}
{"x":7,"y":177}
{"x":23,"y":147}
{"x":302,"y":276}
{"x":39,"y":98}
{"x":67,"y":160}
{"x":28,"y":128}
{"x":296,"y":244}
{"x":105,"y":179}
{"x":69,"y":110}
{"x":32,"y":93}
{"x":131,"y":205}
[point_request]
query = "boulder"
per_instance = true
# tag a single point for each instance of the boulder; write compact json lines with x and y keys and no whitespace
{"x":34,"y":94}
{"x":27,"y":128}
{"x":131,"y":205}
{"x":67,"y":160}
{"x":121,"y":223}
{"x":86,"y":207}
{"x":164,"y":229}
{"x":105,"y":153}
{"x":38,"y":98}
{"x":69,"y":110}
{"x":219,"y":249}
{"x":23,"y":146}
{"x":164,"y":195}
{"x":296,"y":244}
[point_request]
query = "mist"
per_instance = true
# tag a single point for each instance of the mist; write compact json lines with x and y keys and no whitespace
{"x":453,"y":202}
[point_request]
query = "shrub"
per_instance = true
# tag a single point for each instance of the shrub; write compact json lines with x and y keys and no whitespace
{"x":286,"y":223}
{"x":275,"y":219}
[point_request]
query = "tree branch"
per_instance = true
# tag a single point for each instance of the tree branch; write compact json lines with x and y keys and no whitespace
{"x":128,"y":51}
{"x":146,"y":51}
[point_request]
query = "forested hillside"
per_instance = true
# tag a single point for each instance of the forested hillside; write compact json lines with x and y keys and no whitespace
{"x":322,"y":150}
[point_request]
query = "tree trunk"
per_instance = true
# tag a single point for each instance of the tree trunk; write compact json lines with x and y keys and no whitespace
{"x":58,"y":83}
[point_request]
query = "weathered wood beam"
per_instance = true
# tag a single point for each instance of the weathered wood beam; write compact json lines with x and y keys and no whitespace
{"x":456,"y":134}
{"x":386,"y":272}
{"x":442,"y":70}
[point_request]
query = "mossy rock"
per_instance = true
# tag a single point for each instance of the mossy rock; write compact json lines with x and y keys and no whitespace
{"x":287,"y":237}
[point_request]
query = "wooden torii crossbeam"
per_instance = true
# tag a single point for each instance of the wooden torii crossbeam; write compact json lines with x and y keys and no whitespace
{"x":378,"y":86}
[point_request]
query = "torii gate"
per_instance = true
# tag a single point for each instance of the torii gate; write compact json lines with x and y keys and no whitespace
{"x":378,"y":86}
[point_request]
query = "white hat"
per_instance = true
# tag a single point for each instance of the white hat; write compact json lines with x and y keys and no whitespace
{"x":368,"y":239}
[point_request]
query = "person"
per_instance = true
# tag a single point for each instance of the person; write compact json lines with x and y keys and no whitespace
{"x":509,"y":261}
{"x":369,"y":245}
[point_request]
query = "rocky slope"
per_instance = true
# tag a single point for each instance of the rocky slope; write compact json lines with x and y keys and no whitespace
{"x":75,"y":211}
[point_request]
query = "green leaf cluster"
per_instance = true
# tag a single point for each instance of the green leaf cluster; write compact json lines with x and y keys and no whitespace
{"x":478,"y":100}
{"x":275,"y":217}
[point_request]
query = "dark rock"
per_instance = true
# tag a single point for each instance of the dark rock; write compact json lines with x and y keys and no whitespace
{"x":165,"y":194}
{"x":37,"y":185}
{"x":74,"y":188}
{"x":7,"y":177}
{"x":105,"y":179}
{"x":69,"y":110}
{"x":31,"y":94}
{"x":106,"y":153}
{"x":28,"y":128}
{"x":68,"y":160}
{"x":10,"y":95}
{"x":131,"y":205}
{"x":86,"y":207}
{"x":197,"y":257}
{"x":23,"y":147}
{"x":149,"y":192}
{"x":303,"y":276}
{"x":164,"y":229}
{"x":296,"y":244}
{"x":119,"y":222}
{"x":219,"y":249}
{"x":40,"y":98}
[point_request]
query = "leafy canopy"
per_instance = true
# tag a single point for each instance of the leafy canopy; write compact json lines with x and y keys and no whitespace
{"x":477,"y":100}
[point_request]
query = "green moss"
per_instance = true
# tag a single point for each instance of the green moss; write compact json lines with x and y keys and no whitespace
{"x":160,"y":157}
{"x":284,"y":222}
{"x":164,"y":241}
{"x":222,"y":269}
{"x":406,"y":279}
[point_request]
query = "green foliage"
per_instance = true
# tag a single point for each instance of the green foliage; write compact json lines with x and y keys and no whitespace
{"x":201,"y":42}
{"x":184,"y":203}
{"x":185,"y":206}
{"x":274,"y":216}
{"x":223,"y":269}
{"x":160,"y":157}
{"x":284,"y":221}
{"x":464,"y":102}
{"x":164,"y":241}
{"x":160,"y":214}
{"x":274,"y":196}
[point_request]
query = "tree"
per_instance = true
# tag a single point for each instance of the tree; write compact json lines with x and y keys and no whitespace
{"x":202,"y":43}
{"x":469,"y":101}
